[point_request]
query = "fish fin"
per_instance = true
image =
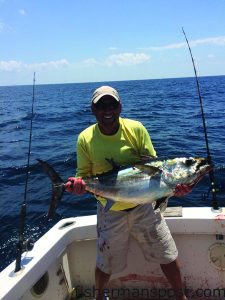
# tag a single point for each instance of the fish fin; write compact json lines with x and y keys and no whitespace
{"x":146,"y":157}
{"x":161,"y":203}
{"x":143,"y":156}
{"x":115,"y":166}
{"x":109,"y":204}
{"x":111,"y":175}
{"x":150,"y":170}
{"x":55,"y":178}
{"x":57,"y":193}
{"x":58,"y":187}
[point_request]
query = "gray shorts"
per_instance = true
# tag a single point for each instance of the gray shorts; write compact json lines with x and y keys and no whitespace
{"x":147,"y":226}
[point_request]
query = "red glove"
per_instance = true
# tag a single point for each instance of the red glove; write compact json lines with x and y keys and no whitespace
{"x":182,"y":190}
{"x":75,"y":185}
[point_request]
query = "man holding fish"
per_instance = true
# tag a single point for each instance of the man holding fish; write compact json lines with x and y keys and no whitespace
{"x":123,"y":141}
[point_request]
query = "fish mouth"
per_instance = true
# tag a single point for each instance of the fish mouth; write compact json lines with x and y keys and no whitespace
{"x":202,"y":173}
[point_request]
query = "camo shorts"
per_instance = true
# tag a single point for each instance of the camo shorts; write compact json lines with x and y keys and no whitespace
{"x":147,"y":226}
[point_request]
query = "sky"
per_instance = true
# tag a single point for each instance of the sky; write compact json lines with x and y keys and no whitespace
{"x":74,"y":41}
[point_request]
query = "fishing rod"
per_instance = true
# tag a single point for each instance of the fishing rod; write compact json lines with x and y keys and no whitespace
{"x":211,"y":173}
{"x":22,"y":244}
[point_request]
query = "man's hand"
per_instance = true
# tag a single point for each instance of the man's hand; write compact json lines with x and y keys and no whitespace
{"x":182,"y":190}
{"x":75,"y":185}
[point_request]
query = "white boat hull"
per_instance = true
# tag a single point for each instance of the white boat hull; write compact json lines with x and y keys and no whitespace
{"x":66,"y":255}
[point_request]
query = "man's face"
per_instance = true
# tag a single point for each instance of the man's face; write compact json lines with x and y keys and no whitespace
{"x":107,"y":111}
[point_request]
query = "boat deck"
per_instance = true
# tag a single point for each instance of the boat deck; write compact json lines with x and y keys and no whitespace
{"x":61,"y":265}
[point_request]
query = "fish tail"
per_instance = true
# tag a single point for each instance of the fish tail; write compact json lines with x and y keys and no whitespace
{"x":58,"y":187}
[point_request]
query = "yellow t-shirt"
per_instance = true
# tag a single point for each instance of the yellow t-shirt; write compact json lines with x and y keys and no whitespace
{"x":125,"y":147}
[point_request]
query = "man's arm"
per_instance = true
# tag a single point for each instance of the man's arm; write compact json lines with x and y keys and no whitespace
{"x":76,"y":185}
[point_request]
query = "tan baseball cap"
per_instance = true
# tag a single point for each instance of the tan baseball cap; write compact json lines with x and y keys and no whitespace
{"x":104,"y":91}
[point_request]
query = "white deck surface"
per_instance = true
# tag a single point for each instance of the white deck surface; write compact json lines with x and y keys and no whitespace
{"x":73,"y":248}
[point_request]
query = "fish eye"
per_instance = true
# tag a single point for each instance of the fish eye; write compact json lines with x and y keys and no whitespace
{"x":189,"y":162}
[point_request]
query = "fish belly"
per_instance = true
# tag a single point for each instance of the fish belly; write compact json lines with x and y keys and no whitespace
{"x":139,"y":191}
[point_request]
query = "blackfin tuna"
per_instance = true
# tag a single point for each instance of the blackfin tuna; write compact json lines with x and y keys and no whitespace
{"x":145,"y":182}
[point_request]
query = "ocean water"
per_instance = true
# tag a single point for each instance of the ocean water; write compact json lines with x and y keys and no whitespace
{"x":169,"y":108}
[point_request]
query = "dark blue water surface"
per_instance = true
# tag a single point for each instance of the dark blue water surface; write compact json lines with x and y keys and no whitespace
{"x":169,"y":108}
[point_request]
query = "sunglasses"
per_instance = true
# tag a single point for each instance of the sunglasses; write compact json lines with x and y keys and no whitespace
{"x":107,"y":105}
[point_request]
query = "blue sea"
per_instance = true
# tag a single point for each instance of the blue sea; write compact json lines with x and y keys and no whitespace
{"x":169,"y":109}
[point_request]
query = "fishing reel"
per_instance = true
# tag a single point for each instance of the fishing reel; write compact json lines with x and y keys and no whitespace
{"x":25,"y":246}
{"x":28,"y":245}
{"x":22,"y":246}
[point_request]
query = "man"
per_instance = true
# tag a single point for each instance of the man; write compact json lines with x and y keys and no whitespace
{"x":125,"y":141}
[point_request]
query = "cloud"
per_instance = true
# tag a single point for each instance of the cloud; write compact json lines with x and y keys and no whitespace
{"x":219,"y":41}
{"x":127,"y":59}
{"x":57,"y":64}
{"x":122,"y":59}
{"x":2,"y":27}
{"x":90,"y":62}
{"x":22,"y":12}
{"x":13,"y":65}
